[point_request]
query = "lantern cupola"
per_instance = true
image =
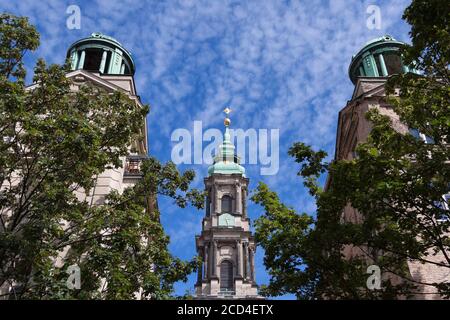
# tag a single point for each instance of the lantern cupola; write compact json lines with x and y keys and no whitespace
{"x":101,"y":54}
{"x":378,"y":58}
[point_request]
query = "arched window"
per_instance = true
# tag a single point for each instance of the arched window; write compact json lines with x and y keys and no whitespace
{"x":226,"y":276}
{"x":208,"y":206}
{"x":226,"y":204}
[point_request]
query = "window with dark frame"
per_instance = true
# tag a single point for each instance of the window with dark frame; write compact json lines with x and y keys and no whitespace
{"x":93,"y":59}
{"x":133,"y":166}
{"x":393,"y":63}
{"x":226,"y":204}
{"x":107,"y":63}
{"x":226,"y":276}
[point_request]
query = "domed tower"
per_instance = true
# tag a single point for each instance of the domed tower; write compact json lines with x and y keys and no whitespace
{"x":369,"y":70}
{"x":378,"y":58}
{"x":101,"y":61}
{"x":101,"y":54}
{"x":226,"y":244}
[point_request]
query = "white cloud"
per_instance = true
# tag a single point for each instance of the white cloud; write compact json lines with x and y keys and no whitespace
{"x":279,"y":64}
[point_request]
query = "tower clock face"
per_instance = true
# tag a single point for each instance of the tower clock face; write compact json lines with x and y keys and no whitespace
{"x":226,"y":220}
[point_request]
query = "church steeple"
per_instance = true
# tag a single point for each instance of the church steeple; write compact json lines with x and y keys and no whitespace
{"x":226,"y":161}
{"x":226,"y":244}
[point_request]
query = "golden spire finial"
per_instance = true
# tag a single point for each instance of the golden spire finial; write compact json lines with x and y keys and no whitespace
{"x":227,"y":120}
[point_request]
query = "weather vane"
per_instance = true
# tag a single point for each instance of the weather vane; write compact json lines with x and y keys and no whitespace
{"x":227,"y":120}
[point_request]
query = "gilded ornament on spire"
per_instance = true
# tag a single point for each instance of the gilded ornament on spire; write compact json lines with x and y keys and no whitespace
{"x":227,"y":120}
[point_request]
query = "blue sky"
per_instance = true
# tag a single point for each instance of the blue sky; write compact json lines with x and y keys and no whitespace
{"x":278,"y":64}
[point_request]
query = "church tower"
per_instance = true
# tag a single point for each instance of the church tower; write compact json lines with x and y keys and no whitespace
{"x":369,"y":70}
{"x":102,"y":61}
{"x":226,"y":244}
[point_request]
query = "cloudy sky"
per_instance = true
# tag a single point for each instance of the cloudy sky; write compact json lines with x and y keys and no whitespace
{"x":278,"y":64}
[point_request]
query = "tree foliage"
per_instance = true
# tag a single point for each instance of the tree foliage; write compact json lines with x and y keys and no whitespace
{"x":55,"y":142}
{"x":396,"y":184}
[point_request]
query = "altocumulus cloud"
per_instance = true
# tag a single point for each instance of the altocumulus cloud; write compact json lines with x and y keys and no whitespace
{"x":278,"y":64}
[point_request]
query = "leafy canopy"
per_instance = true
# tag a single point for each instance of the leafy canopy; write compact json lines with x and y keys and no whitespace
{"x":396,"y":184}
{"x":55,"y":142}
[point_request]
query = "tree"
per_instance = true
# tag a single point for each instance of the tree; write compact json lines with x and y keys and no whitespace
{"x":54,"y":142}
{"x":396,"y":183}
{"x":282,"y":233}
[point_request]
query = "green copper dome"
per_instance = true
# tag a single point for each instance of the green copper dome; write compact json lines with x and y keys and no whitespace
{"x":226,"y":162}
{"x":102,"y":54}
{"x":378,"y":58}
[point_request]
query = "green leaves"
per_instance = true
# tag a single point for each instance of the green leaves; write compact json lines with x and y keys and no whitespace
{"x":312,"y":165}
{"x":430,"y":35}
{"x":281,"y":232}
{"x":55,"y":142}
{"x":16,"y":38}
{"x":384,"y":207}
{"x":166,"y":180}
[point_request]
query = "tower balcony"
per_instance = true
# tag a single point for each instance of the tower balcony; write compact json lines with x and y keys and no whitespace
{"x":132,"y":166}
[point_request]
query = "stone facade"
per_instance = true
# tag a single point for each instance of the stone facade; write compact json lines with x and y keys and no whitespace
{"x":117,"y":178}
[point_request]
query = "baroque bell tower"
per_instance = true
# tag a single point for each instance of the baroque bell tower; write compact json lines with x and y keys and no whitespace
{"x":226,"y":244}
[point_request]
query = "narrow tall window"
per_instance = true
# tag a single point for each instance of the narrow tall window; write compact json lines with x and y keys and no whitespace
{"x":208,"y":206}
{"x":108,"y":62}
{"x":226,"y":276}
{"x":226,"y":204}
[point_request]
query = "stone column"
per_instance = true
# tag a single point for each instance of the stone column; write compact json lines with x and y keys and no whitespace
{"x":211,"y":259}
{"x":81,"y":61}
{"x":383,"y":66}
{"x":238,"y":198}
{"x":239,"y":258}
{"x":244,"y":205}
{"x":73,"y":57}
{"x":200,"y":270}
{"x":252,"y":264}
{"x":102,"y":64}
{"x":214,"y":266}
{"x":206,"y":260}
{"x":245,"y":260}
{"x":216,"y":201}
